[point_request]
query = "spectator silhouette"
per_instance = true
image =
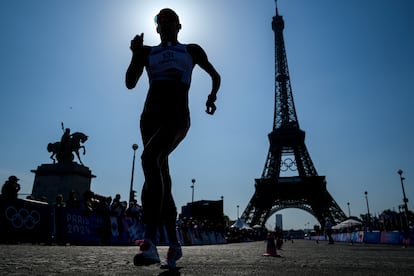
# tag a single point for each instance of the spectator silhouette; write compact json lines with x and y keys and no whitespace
{"x":73,"y":201}
{"x":10,"y":188}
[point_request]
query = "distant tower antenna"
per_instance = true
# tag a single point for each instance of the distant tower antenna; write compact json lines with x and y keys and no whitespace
{"x":276,"y":6}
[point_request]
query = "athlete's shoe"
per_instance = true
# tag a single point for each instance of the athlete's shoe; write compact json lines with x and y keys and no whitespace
{"x":174,"y":254}
{"x":147,"y":254}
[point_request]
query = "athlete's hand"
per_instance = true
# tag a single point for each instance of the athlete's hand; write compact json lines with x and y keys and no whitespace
{"x":137,"y":43}
{"x":210,"y":106}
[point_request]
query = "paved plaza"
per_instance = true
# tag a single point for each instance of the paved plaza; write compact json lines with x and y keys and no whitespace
{"x":302,"y":257}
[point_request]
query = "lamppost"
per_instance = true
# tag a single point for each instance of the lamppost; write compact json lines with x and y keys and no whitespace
{"x":131,"y":191}
{"x":349,"y":210}
{"x":369,"y":215}
{"x":237,"y":211}
{"x":405,"y":199}
{"x":192,"y":187}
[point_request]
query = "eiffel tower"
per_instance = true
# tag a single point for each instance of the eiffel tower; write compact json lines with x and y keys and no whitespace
{"x":289,"y":178}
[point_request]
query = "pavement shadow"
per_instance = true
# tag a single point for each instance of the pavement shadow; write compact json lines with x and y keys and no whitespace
{"x":171,"y":272}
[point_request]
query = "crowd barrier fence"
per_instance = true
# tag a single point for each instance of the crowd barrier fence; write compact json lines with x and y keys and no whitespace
{"x":36,"y":222}
{"x":394,"y":237}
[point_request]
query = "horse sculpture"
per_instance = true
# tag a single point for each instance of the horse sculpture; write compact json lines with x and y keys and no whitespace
{"x":64,"y":153}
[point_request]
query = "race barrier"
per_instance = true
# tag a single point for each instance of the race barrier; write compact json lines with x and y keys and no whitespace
{"x":394,"y":237}
{"x":37,"y":222}
{"x":191,"y":236}
{"x":25,"y":221}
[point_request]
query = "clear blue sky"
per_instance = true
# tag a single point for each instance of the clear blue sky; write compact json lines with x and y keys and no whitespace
{"x":351,"y":65}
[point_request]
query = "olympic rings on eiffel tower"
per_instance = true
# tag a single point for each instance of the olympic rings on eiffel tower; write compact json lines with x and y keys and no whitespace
{"x":288,"y":164}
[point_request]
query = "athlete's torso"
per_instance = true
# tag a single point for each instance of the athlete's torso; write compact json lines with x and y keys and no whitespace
{"x":169,"y":70}
{"x":171,"y":62}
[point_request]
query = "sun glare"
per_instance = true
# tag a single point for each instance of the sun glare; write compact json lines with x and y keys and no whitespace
{"x":143,"y":16}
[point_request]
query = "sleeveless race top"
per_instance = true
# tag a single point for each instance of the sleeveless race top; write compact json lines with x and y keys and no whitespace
{"x":170,"y":63}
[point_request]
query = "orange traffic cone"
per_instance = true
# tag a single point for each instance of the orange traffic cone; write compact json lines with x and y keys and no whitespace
{"x":271,"y":246}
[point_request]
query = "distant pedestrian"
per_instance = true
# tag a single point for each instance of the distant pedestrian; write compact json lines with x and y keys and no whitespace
{"x":164,"y":124}
{"x":328,"y":230}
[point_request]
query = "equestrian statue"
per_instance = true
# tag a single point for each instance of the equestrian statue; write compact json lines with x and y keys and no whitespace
{"x":68,"y":143}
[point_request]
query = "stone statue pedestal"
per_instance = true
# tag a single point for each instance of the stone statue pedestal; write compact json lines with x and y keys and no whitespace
{"x":61,"y":178}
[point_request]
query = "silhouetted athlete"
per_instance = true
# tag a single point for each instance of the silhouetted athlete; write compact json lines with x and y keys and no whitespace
{"x":165,"y":121}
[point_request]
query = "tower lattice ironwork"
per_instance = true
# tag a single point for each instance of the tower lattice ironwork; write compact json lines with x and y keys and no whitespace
{"x":289,"y":178}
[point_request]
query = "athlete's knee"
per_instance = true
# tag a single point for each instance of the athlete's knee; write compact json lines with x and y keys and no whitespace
{"x":149,"y":160}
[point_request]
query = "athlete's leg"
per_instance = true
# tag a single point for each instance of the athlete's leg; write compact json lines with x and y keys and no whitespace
{"x":156,"y":150}
{"x":169,"y":210}
{"x":152,"y":188}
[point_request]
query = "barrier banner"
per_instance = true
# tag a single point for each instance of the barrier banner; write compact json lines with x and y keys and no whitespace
{"x":78,"y":226}
{"x":135,"y":230}
{"x":372,"y":237}
{"x":25,"y":221}
{"x":38,"y":222}
{"x":358,"y":236}
{"x":390,"y":237}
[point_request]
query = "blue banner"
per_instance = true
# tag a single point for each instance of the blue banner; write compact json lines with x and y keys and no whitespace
{"x":78,"y":226}
{"x":25,"y":221}
{"x":39,"y":222}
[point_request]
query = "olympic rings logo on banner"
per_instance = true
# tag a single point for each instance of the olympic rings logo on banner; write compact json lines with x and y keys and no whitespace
{"x":22,"y":217}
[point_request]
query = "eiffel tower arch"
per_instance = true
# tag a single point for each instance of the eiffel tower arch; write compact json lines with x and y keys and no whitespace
{"x":289,"y":178}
